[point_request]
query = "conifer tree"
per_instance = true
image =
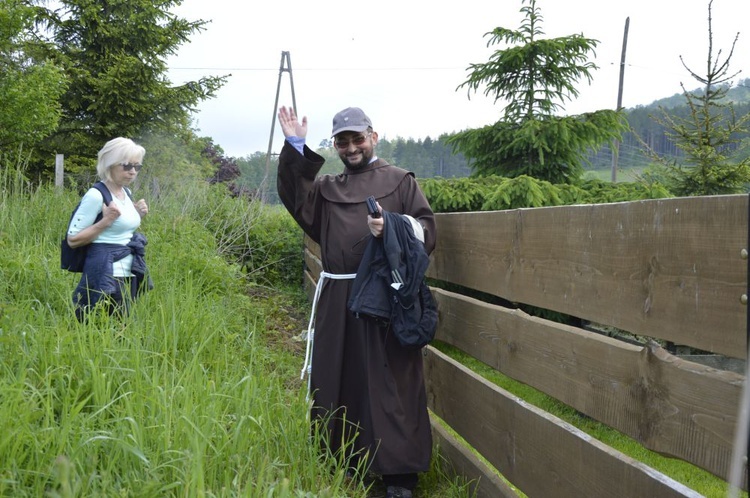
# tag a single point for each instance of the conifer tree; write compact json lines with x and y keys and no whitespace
{"x":534,"y":78}
{"x":708,"y":135}
{"x":114,"y":53}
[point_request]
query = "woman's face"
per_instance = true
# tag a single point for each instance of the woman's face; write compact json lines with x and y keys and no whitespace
{"x":125,"y":173}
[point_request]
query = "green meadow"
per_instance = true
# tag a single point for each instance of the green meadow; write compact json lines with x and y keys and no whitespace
{"x":195,"y":394}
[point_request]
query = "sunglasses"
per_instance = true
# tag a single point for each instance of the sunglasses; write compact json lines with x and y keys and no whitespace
{"x":129,"y":166}
{"x":358,"y":140}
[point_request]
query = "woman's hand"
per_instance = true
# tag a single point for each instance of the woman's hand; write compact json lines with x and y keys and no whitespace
{"x":110,"y":213}
{"x":141,"y":207}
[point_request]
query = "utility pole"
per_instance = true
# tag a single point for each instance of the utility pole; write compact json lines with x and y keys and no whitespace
{"x":616,"y":145}
{"x":284,"y":66}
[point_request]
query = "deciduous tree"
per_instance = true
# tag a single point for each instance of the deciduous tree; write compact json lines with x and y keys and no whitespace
{"x":30,"y":86}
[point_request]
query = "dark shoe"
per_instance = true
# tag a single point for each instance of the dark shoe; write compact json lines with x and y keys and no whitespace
{"x":398,"y":492}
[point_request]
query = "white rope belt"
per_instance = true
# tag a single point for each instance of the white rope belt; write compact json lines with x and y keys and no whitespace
{"x":307,"y":367}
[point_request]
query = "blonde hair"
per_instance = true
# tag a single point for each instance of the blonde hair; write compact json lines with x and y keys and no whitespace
{"x":117,"y":151}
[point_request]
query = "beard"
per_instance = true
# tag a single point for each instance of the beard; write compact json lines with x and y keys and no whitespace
{"x":364,"y":160}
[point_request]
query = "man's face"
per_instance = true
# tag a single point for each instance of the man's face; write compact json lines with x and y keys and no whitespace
{"x":355,"y":149}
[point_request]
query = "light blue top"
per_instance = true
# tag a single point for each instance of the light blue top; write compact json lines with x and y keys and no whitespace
{"x":120,"y":232}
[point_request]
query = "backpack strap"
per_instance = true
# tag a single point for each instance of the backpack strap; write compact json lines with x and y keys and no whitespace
{"x":107,"y":195}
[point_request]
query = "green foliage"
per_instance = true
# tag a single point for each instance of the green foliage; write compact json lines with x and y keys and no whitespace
{"x":534,"y":79}
{"x":263,"y":241}
{"x":29,"y":88}
{"x":457,"y":194}
{"x":253,"y":175}
{"x":172,"y":160}
{"x":196,"y":393}
{"x":184,"y":398}
{"x":521,"y":191}
{"x":493,"y":193}
{"x":115,"y":57}
{"x":706,"y":135}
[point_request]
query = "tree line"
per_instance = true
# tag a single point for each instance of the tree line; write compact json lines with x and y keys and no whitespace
{"x":73,"y":77}
{"x":644,"y":129}
{"x":436,"y":158}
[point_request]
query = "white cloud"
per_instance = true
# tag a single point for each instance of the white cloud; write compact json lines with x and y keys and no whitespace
{"x":402,"y":61}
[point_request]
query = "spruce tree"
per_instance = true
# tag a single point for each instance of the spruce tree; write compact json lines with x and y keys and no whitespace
{"x":708,"y":136}
{"x":534,"y":78}
{"x":114,"y":53}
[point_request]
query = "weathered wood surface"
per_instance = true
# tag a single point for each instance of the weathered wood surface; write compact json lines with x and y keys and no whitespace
{"x":459,"y":461}
{"x":669,"y":405}
{"x":312,"y":259}
{"x":669,"y":269}
{"x":540,"y":454}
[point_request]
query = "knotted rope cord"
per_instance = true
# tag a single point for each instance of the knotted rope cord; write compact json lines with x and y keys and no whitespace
{"x":307,"y":366}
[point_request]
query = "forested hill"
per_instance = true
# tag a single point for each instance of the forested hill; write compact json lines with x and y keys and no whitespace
{"x":738,"y":94}
{"x":643,"y":125}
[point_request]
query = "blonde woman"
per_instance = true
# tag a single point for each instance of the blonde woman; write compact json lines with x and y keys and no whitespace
{"x":115,"y":269}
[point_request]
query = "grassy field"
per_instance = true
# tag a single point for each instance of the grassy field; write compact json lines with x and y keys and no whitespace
{"x":196,"y":394}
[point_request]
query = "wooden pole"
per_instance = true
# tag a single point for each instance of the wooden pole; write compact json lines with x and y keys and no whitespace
{"x":616,"y":145}
{"x":59,"y":170}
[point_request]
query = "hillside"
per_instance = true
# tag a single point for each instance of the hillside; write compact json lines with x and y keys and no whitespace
{"x":644,"y":127}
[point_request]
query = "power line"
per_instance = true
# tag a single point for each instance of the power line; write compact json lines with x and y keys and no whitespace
{"x":319,"y":69}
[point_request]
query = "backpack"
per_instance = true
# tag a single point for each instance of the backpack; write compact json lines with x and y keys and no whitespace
{"x":72,"y":259}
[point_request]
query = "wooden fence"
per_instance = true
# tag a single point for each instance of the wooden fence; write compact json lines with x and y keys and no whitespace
{"x":664,"y":271}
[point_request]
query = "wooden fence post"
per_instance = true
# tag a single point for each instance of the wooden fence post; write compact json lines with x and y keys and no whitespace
{"x":59,"y":169}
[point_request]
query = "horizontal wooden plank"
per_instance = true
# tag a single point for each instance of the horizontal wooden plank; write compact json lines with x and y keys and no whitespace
{"x":668,"y":269}
{"x":669,"y":405}
{"x":312,"y":246}
{"x":459,"y":461}
{"x":312,"y":263}
{"x":540,"y":454}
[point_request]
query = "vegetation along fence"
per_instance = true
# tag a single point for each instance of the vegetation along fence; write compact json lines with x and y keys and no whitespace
{"x":665,"y":272}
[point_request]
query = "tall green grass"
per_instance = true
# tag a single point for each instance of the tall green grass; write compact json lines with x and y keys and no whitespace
{"x":182,"y":398}
{"x":195,"y":394}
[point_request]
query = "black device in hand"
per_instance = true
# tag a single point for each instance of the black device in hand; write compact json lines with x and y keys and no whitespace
{"x":372,"y":207}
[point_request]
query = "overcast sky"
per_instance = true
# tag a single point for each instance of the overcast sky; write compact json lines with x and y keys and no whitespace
{"x":401,"y":61}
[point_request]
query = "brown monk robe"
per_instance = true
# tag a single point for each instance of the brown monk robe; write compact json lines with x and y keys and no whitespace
{"x":360,"y":373}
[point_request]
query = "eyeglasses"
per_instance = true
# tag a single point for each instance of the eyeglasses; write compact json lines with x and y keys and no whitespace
{"x":129,"y":166}
{"x":358,"y":140}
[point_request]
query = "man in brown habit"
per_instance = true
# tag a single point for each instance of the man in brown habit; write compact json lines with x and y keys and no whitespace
{"x":366,"y":387}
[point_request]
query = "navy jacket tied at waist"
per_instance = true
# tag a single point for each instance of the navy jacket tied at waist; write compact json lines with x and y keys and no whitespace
{"x":98,"y":279}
